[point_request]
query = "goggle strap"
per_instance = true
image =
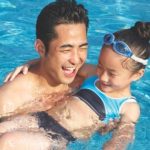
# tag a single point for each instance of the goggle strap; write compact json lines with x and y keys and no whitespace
{"x":140,"y":60}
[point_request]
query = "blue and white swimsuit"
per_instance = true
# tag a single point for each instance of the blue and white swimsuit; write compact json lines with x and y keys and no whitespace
{"x":106,"y":108}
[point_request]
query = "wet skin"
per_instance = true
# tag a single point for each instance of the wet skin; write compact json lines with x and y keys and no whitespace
{"x":56,"y":69}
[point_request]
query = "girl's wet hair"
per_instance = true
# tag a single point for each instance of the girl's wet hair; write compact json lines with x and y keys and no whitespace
{"x":138,"y":39}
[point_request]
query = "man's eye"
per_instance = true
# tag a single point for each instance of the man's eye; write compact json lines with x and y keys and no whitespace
{"x":65,"y":50}
{"x":84,"y":48}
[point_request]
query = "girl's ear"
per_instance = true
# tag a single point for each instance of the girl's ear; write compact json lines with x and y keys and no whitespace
{"x":40,"y":48}
{"x":138,"y":74}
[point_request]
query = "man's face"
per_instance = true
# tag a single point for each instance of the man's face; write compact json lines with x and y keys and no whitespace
{"x":66,"y":54}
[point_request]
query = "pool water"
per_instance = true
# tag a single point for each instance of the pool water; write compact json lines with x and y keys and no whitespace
{"x":17,"y":35}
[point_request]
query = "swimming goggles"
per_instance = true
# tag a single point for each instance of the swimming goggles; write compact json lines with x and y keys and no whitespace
{"x":122,"y":48}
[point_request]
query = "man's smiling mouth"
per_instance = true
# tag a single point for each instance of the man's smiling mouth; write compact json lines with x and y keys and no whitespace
{"x":69,"y":71}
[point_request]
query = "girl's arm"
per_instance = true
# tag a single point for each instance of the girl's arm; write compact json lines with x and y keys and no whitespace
{"x":123,"y":135}
{"x":85,"y":71}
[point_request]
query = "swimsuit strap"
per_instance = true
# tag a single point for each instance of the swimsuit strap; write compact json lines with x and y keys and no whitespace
{"x":131,"y":99}
{"x":93,"y":101}
{"x":50,"y":124}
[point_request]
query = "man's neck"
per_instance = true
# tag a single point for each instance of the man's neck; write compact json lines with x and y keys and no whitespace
{"x":45,"y":81}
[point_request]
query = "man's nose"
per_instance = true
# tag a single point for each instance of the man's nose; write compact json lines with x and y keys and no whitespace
{"x":75,"y":57}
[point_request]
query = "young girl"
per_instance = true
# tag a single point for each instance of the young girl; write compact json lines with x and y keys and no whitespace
{"x":104,"y":96}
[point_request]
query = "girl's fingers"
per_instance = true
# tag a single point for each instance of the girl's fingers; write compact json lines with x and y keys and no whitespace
{"x":16,"y":72}
{"x":7,"y":77}
{"x":24,"y":69}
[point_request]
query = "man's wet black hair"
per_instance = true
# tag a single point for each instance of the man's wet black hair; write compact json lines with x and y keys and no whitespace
{"x":59,"y":12}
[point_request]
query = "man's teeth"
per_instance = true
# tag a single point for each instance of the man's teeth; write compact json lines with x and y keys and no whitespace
{"x":69,"y":70}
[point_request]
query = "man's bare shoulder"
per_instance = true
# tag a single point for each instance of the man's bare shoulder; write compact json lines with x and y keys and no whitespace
{"x":17,"y":92}
{"x":21,"y":82}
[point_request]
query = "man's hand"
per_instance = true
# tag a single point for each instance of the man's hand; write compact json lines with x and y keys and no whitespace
{"x":109,"y":127}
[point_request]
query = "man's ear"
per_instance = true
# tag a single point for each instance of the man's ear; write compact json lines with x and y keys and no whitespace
{"x":40,"y":48}
{"x":138,"y":74}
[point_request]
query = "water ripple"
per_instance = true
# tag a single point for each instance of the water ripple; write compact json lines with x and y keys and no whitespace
{"x":17,"y":34}
{"x":7,"y":4}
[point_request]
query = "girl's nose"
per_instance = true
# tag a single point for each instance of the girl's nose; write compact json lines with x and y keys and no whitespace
{"x":104,"y":76}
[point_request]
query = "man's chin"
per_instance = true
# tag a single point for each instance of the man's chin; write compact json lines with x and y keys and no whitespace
{"x":67,"y":80}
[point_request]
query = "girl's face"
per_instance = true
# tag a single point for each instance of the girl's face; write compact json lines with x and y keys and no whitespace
{"x":113,"y":77}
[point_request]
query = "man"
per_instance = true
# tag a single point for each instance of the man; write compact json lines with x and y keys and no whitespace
{"x":62,"y":45}
{"x":61,"y":42}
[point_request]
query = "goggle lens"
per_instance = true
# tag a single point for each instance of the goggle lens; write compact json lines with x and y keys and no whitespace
{"x":122,"y":48}
{"x":108,"y":39}
{"x":118,"y":46}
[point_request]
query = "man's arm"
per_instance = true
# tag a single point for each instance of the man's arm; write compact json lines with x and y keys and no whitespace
{"x":24,"y":122}
{"x":14,"y":94}
{"x":20,"y":97}
{"x":122,"y":136}
{"x":43,"y":103}
{"x":124,"y":133}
